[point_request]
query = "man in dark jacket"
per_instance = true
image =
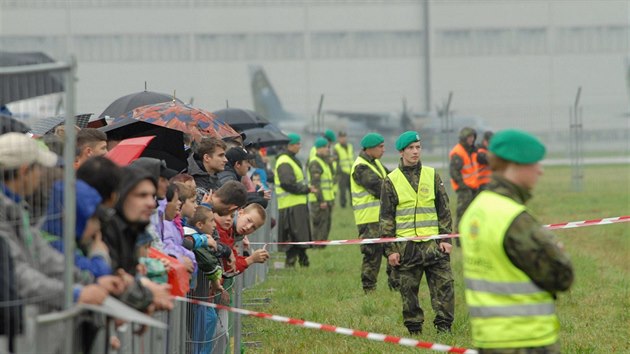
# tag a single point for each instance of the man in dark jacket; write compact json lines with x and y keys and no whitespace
{"x":237,"y":166}
{"x":204,"y":165}
{"x":292,"y":191}
{"x":122,"y":228}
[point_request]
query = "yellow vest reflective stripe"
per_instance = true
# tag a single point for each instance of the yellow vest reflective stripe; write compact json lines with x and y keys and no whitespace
{"x":345,"y":157}
{"x":415,"y":212}
{"x":507,"y":309}
{"x":326,"y":181}
{"x":286,"y":199}
{"x":366,"y":206}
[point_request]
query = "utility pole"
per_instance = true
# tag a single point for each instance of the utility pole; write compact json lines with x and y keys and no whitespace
{"x":427,"y":56}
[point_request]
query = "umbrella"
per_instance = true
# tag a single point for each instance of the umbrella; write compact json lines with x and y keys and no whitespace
{"x":128,"y":150}
{"x":45,"y":125}
{"x":9,"y":124}
{"x":264,"y":137}
{"x":175,"y":115}
{"x":124,"y":104}
{"x":241,"y":119}
{"x":168,"y":144}
{"x":16,"y":87}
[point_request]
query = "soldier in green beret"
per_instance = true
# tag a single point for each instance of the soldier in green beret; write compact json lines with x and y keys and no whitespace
{"x":513,"y":268}
{"x":320,"y":176}
{"x":292,"y":191}
{"x":414,"y":203}
{"x":367,"y":174}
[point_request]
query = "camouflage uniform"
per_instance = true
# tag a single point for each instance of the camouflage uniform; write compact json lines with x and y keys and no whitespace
{"x":372,"y":254}
{"x":417,"y":258}
{"x":465,"y":194}
{"x":533,"y":250}
{"x":321,"y":218}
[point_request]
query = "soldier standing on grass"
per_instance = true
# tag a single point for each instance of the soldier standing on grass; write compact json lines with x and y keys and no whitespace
{"x":320,"y":176}
{"x":345,"y":156}
{"x":366,"y":179}
{"x":463,"y":171}
{"x":480,"y":158}
{"x":292,"y":191}
{"x":414,"y":203}
{"x":513,"y":268}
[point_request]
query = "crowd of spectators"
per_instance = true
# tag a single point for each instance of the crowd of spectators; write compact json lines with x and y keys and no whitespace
{"x":144,"y":232}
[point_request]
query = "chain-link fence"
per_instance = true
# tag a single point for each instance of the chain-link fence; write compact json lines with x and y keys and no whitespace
{"x":60,"y":288}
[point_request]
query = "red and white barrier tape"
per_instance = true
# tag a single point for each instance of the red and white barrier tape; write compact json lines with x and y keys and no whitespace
{"x":329,"y":328}
{"x":365,"y":241}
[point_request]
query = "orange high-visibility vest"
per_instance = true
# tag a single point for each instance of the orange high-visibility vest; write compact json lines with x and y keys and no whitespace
{"x":483,"y":171}
{"x":469,"y":170}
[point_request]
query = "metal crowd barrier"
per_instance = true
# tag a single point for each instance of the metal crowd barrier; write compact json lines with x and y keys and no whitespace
{"x":45,"y":331}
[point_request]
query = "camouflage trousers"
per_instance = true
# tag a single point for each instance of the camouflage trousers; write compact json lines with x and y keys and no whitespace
{"x":417,"y":258}
{"x":322,"y":220}
{"x":548,"y":349}
{"x":343,"y":192}
{"x":372,"y":258}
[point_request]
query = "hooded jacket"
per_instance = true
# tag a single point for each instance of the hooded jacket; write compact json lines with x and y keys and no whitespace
{"x":87,"y":202}
{"x":119,"y":234}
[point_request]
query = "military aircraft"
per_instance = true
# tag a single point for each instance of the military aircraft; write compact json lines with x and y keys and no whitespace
{"x":267,"y":103}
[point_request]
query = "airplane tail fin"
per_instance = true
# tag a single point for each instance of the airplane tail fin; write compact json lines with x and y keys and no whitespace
{"x":266,"y":101}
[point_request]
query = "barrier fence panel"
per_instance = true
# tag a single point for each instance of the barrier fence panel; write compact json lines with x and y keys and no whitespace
{"x":38,"y":307}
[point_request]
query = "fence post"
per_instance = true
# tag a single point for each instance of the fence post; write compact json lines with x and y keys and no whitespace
{"x":238,"y":289}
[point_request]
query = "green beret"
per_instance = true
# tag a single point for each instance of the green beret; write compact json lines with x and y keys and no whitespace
{"x":330,"y":135}
{"x":321,"y":142}
{"x":293,"y":138}
{"x":406,"y":138}
{"x":517,"y":146}
{"x":371,"y":140}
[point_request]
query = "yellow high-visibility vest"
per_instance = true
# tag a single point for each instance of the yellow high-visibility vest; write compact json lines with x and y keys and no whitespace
{"x":366,"y":206}
{"x":415,"y":212}
{"x":345,"y":157}
{"x":326,"y":181}
{"x":507,"y":309}
{"x":286,"y":199}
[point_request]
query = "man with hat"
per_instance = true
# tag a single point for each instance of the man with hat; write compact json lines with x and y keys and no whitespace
{"x":320,"y":176}
{"x":463,"y":171}
{"x":367,"y":174}
{"x":330,"y":136}
{"x":292,"y":191}
{"x":39,"y":267}
{"x":414,"y":203}
{"x":513,"y":267}
{"x":345,"y":157}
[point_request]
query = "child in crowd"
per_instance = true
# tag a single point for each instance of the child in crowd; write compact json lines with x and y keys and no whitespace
{"x":173,"y":232}
{"x":242,"y":223}
{"x":154,"y":269}
{"x":199,"y":237}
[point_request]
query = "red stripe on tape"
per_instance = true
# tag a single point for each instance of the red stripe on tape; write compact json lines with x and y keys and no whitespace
{"x":340,"y":330}
{"x":565,"y":225}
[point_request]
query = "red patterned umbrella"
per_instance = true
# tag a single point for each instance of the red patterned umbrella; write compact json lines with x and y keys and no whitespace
{"x":179,"y":116}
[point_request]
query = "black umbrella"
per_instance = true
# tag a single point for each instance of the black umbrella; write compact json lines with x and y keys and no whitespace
{"x":127,"y":103}
{"x":264,"y":137}
{"x":45,"y":125}
{"x":168,"y":144}
{"x":16,"y":87}
{"x":241,"y":119}
{"x":11,"y":125}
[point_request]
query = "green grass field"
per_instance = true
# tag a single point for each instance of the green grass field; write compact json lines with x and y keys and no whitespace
{"x":594,"y":314}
